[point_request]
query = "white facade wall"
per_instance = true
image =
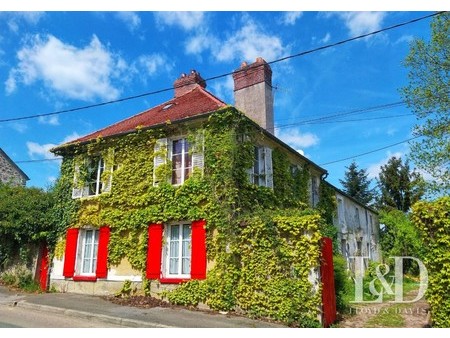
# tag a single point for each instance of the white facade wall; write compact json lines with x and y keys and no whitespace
{"x":358,"y":230}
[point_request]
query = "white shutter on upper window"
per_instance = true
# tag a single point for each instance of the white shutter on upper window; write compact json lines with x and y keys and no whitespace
{"x":268,"y":167}
{"x":109,"y":167}
{"x":77,"y":192}
{"x":160,"y":157}
{"x":198,"y":151}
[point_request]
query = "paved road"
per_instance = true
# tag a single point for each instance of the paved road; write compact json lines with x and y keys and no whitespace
{"x":13,"y":316}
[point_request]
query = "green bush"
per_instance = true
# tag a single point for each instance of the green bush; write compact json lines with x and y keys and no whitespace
{"x":20,"y":277}
{"x":433,"y":221}
{"x":342,"y":284}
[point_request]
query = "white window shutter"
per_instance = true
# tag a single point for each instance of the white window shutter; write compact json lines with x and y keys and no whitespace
{"x":160,"y":157}
{"x":268,"y":167}
{"x":199,"y":150}
{"x":109,"y":167}
{"x":77,"y":192}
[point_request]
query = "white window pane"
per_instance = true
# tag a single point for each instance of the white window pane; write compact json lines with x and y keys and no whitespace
{"x":173,"y":266}
{"x":186,"y":266}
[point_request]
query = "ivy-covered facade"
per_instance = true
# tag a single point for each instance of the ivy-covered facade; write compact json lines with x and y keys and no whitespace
{"x":195,"y":202}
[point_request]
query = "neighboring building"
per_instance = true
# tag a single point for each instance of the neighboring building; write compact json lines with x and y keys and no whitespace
{"x":10,"y":173}
{"x":166,"y":146}
{"x":358,"y":229}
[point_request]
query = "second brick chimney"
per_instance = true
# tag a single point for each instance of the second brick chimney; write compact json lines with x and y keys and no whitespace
{"x":253,"y":92}
{"x":187,"y":82}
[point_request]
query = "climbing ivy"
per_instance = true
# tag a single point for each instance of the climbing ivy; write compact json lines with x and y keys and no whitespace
{"x":263,"y":243}
{"x":433,"y":221}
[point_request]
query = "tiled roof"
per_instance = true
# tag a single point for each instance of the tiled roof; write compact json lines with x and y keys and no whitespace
{"x":198,"y":101}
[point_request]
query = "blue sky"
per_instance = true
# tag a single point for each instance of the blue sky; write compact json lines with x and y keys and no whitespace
{"x":52,"y":61}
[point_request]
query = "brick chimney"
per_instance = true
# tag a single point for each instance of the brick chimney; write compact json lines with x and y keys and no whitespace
{"x":187,"y":82}
{"x":253,"y":92}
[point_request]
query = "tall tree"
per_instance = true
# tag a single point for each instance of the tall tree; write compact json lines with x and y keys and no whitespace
{"x":428,"y":95}
{"x":356,"y":184}
{"x":399,"y":186}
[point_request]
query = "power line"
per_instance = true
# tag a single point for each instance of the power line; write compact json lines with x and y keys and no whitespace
{"x":223,"y":75}
{"x":369,"y":152}
{"x":357,"y":111}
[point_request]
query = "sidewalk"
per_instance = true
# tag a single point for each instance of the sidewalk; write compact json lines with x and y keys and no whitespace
{"x":87,"y":307}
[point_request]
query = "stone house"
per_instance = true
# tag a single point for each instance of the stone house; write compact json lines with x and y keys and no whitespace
{"x":138,"y":188}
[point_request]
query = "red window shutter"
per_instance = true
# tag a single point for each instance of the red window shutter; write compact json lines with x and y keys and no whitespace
{"x":102,"y":254}
{"x":71,"y":252}
{"x":154,"y":251}
{"x":198,"y":251}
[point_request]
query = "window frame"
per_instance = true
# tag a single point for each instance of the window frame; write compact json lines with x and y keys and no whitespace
{"x":100,"y":185}
{"x":184,"y":152}
{"x":261,"y":172}
{"x":81,"y":252}
{"x":166,"y":274}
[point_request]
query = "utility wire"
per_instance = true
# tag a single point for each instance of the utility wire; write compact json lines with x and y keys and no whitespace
{"x":369,"y":152}
{"x":223,"y":75}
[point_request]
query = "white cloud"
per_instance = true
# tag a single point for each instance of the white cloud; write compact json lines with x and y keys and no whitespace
{"x":249,"y":43}
{"x":326,"y":38}
{"x":131,"y":20}
{"x":359,"y":23}
{"x":223,"y":88}
{"x":296,"y":139}
{"x":289,"y":18}
{"x":154,"y":63}
{"x":41,"y":150}
{"x":404,"y":38}
{"x":374,"y":169}
{"x":200,"y":42}
{"x":184,"y":20}
{"x":16,"y":18}
{"x":20,"y":127}
{"x":51,"y":120}
{"x":77,"y":73}
{"x":71,"y":137}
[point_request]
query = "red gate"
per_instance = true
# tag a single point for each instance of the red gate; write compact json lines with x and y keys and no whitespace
{"x":328,"y":291}
{"x":43,"y":267}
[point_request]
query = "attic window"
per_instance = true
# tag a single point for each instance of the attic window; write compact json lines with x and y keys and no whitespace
{"x":167,"y":106}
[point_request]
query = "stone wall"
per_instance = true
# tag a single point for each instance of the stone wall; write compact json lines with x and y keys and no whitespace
{"x":10,"y":174}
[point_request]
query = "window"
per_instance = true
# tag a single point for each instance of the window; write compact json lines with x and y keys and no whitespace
{"x":357,"y":221}
{"x":341,"y":211}
{"x":176,"y":251}
{"x":87,"y":259}
{"x":314,"y":191}
{"x":86,"y":253}
{"x":261,"y":173}
{"x":95,"y":169}
{"x":184,"y":157}
{"x":181,"y":161}
{"x":94,"y":181}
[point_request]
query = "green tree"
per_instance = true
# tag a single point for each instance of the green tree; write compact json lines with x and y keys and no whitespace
{"x":356,"y":184}
{"x":24,"y":220}
{"x":399,"y":237}
{"x":399,"y":186}
{"x":427,"y":94}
